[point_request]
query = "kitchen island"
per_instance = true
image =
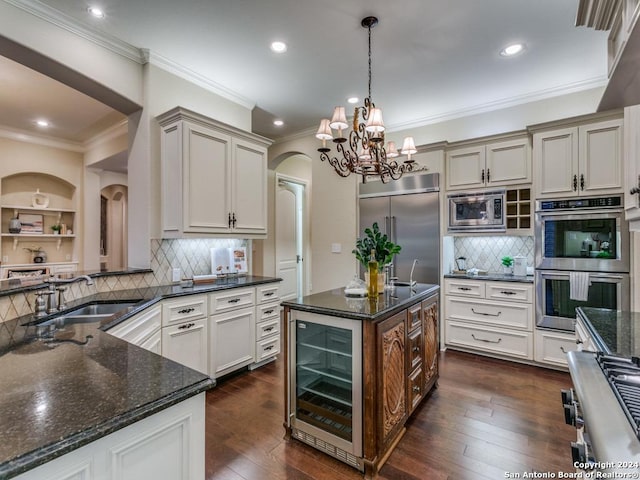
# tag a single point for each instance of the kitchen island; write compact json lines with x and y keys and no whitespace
{"x":357,"y":368}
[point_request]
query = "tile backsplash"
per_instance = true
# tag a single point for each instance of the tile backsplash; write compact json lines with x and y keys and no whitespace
{"x":485,"y":253}
{"x":191,"y":255}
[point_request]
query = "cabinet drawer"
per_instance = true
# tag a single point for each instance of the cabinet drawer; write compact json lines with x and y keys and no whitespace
{"x":416,"y":387}
{"x":267,"y":293}
{"x":504,"y":314}
{"x":465,"y":288}
{"x":267,"y":312}
{"x":552,"y":347}
{"x":268,"y":328}
{"x":183,"y":309}
{"x":414,"y":315}
{"x":415,"y":348}
{"x":489,"y":339}
{"x":140,"y":327}
{"x":267,"y":348}
{"x":510,"y":291}
{"x":230,"y":300}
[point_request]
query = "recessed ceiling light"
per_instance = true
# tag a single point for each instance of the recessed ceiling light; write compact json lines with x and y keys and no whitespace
{"x":278,"y":123}
{"x":353,"y":100}
{"x":279,"y":47}
{"x":511,"y":50}
{"x":42,"y":123}
{"x":96,"y":12}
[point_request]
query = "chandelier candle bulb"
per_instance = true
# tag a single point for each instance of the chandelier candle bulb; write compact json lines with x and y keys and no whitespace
{"x":392,"y":150}
{"x":374,"y":123}
{"x":408,"y":148}
{"x":339,"y":120}
{"x":324,"y":134}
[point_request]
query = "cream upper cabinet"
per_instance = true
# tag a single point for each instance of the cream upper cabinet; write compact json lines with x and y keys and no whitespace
{"x":632,"y":166}
{"x":496,"y":162}
{"x":584,"y":159}
{"x":214,"y":177}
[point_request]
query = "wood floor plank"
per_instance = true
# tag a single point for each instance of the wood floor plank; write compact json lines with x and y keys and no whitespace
{"x":486,"y":417}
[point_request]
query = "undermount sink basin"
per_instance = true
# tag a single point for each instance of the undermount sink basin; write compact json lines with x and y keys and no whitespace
{"x":100,"y":309}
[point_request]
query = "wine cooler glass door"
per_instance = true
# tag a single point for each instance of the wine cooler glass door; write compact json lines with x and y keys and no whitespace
{"x":327,"y":364}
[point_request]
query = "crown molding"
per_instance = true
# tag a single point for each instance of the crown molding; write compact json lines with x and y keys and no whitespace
{"x":596,"y":82}
{"x":196,"y":78}
{"x":28,"y":137}
{"x":59,"y":19}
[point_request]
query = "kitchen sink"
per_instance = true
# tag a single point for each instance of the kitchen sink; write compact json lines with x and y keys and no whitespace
{"x":88,"y":313}
{"x":100,"y":309}
{"x":404,"y":284}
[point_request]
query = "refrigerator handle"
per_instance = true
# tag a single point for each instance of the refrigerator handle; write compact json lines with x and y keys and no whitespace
{"x":387,"y":226}
{"x":392,"y":232}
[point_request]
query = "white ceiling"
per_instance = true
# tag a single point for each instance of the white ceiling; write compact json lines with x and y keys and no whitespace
{"x":432,"y":59}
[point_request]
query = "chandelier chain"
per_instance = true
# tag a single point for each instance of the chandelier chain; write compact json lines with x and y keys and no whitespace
{"x":369,"y":61}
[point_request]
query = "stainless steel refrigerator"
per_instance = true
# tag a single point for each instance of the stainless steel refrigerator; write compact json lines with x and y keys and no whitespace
{"x":408,"y":211}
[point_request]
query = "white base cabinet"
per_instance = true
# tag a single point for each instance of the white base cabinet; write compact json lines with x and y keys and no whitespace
{"x":142,"y":329}
{"x":489,"y":317}
{"x":551,"y":347}
{"x":231,"y":340}
{"x":185,"y":336}
{"x":267,"y":323}
{"x":168,"y":445}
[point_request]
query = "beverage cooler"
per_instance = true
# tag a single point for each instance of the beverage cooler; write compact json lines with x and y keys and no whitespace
{"x":325,"y":404}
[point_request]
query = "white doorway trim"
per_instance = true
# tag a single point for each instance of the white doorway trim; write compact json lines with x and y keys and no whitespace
{"x":297,"y":226}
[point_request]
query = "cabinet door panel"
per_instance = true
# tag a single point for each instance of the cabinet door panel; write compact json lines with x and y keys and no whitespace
{"x":555,"y":156}
{"x":464,"y":167}
{"x":430,"y":313}
{"x":249,"y":187}
{"x":392,"y":392}
{"x":187,"y":344}
{"x":206,"y":178}
{"x":601,"y":157}
{"x":508,"y":162}
{"x":232,"y":340}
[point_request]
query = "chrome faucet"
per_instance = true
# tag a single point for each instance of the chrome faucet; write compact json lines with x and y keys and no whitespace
{"x":55,"y":305}
{"x":411,"y":282}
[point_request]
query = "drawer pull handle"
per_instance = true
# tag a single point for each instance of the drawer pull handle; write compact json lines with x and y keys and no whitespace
{"x":578,"y":341}
{"x":416,"y":389}
{"x":268,"y":294}
{"x":464,"y":289}
{"x":562,"y":349}
{"x":268,"y":312}
{"x":507,"y":292}
{"x":485,"y":340}
{"x":270,"y":347}
{"x":486,"y":314}
{"x":186,"y":310}
{"x":416,"y":349}
{"x":233,"y":300}
{"x":186,"y":326}
{"x":268,"y":329}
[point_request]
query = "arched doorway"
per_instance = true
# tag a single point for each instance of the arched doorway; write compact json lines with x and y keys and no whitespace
{"x":113,"y":227}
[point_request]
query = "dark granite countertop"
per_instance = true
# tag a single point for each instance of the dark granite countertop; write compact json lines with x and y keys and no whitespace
{"x":493,"y":277}
{"x":82,"y":384}
{"x":335,"y":303}
{"x":613,"y":332}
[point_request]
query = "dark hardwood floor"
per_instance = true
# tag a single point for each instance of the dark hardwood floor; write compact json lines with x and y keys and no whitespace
{"x":487,"y":418}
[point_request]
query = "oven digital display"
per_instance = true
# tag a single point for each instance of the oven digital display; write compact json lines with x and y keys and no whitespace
{"x":600,"y":202}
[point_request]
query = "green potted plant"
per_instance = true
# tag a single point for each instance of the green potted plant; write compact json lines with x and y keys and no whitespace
{"x":507,"y":265}
{"x":385,"y":249}
{"x":56,"y":228}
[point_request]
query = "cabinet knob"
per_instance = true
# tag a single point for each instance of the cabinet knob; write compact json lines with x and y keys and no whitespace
{"x":416,"y":389}
{"x":416,"y":349}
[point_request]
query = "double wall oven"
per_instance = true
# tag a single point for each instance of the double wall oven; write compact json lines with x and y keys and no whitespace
{"x":587,"y":235}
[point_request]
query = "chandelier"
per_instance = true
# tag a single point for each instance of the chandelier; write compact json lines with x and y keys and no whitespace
{"x":364,"y":153}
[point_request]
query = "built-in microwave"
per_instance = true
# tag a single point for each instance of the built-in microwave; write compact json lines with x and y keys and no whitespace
{"x":476,"y":211}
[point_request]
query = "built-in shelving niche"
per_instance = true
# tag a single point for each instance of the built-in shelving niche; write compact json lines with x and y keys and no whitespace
{"x":57,"y":205}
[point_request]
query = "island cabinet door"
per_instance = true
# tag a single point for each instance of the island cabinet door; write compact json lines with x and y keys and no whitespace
{"x":430,"y":315}
{"x":392,"y":395}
